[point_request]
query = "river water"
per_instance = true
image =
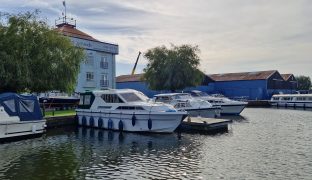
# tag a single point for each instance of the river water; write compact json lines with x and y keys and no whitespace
{"x":262,"y":143}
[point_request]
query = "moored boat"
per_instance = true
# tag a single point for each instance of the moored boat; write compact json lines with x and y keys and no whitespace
{"x":185,"y":102}
{"x":20,"y":116}
{"x":126,"y":110}
{"x":228,"y":106}
{"x":292,"y":100}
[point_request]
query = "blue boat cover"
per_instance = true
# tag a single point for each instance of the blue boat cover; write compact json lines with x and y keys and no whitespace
{"x":26,"y":107}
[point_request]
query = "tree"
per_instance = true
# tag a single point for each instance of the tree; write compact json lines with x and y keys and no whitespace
{"x":34,"y":57}
{"x":172,"y":69}
{"x":304,"y":82}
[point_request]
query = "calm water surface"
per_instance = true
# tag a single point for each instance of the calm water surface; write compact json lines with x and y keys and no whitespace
{"x":262,"y":144}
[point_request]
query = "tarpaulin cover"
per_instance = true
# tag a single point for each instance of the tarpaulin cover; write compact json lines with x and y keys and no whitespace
{"x":26,"y":107}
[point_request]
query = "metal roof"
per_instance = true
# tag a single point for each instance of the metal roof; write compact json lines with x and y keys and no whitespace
{"x":257,"y":75}
{"x":286,"y":76}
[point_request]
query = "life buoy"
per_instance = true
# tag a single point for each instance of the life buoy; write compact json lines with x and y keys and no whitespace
{"x":133,"y":120}
{"x":149,"y":123}
{"x":110,"y":124}
{"x":120,"y":125}
{"x":100,"y":123}
{"x":91,"y":121}
{"x":84,"y":121}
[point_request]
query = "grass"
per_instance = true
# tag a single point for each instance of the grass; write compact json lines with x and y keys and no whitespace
{"x":60,"y":113}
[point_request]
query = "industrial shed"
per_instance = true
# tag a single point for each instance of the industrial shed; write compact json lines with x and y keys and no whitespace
{"x":258,"y":85}
{"x":251,"y":85}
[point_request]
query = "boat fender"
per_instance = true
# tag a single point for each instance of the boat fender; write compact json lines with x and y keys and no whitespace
{"x":84,"y":120}
{"x":120,"y":125}
{"x":33,"y":128}
{"x":304,"y":105}
{"x":149,"y":124}
{"x":100,"y":123}
{"x":91,"y":121}
{"x":110,"y":124}
{"x":133,"y":120}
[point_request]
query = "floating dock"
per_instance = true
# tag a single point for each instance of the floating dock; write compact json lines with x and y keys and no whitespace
{"x":204,"y":125}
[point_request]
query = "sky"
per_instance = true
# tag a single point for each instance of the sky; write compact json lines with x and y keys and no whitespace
{"x":233,"y":35}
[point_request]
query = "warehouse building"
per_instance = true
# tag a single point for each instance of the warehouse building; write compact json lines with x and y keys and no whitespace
{"x":258,"y":85}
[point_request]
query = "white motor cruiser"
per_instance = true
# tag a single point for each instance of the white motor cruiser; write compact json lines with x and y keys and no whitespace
{"x":20,"y":116}
{"x":126,"y":110}
{"x":185,"y":102}
{"x":292,"y":100}
{"x":228,"y":106}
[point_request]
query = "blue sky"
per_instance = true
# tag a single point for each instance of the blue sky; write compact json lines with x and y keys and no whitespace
{"x":233,"y":35}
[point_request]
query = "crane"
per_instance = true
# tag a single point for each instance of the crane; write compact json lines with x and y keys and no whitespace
{"x":136,"y":62}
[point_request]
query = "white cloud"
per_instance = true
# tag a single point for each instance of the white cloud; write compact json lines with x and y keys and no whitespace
{"x":233,"y":35}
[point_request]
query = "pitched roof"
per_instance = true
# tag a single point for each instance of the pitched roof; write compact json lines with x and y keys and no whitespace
{"x":257,"y":75}
{"x":286,"y":76}
{"x":69,"y":30}
{"x":129,"y":78}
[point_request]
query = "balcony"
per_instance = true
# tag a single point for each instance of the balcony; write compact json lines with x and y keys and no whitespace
{"x":104,"y":83}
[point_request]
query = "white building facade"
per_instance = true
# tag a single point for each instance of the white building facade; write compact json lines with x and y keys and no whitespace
{"x":98,"y":70}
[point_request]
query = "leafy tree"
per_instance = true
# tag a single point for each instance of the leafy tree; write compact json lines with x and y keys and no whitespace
{"x":304,"y":82}
{"x":172,"y":69}
{"x":34,"y":57}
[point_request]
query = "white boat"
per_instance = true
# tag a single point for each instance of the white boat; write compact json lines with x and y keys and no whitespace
{"x":292,"y":100}
{"x":228,"y":106}
{"x":185,"y":102}
{"x":126,"y":110}
{"x":20,"y":116}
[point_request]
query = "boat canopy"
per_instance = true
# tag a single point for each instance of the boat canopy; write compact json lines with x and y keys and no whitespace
{"x":26,"y":107}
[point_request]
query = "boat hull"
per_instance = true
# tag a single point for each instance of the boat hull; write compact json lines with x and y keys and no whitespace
{"x":204,"y":112}
{"x":232,"y":109}
{"x":159,"y":122}
{"x":10,"y":130}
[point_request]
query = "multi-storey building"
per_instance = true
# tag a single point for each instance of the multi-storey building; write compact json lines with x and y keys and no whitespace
{"x":98,"y":71}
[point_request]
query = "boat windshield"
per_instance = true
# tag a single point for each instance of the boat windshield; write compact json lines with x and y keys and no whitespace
{"x":132,"y":97}
{"x":182,"y":96}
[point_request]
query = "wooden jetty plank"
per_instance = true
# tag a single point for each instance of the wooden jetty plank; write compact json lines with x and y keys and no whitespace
{"x":204,"y":125}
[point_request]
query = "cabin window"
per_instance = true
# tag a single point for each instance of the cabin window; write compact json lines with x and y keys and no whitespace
{"x":162,"y":99}
{"x":87,"y":99}
{"x":27,"y":106}
{"x":10,"y":104}
{"x":81,"y":100}
{"x":130,"y":108}
{"x":111,"y":98}
{"x":130,"y":97}
{"x":287,"y":98}
{"x":276,"y":98}
{"x":104,"y":107}
{"x":310,"y":99}
{"x":301,"y":98}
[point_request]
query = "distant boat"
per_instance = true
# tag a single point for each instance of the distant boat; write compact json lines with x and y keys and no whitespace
{"x":58,"y":100}
{"x":185,"y":102}
{"x":292,"y":100}
{"x":20,"y":116}
{"x":126,"y":110}
{"x":228,"y":106}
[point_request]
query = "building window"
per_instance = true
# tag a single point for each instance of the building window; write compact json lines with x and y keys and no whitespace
{"x":104,"y":80}
{"x":90,"y":60}
{"x":104,"y":62}
{"x":90,"y":76}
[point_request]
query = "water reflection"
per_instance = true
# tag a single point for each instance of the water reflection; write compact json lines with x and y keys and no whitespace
{"x":94,"y":153}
